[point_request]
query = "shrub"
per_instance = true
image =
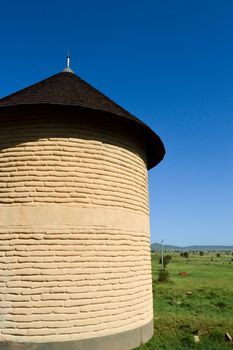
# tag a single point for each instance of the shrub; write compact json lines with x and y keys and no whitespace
{"x":188,"y":341}
{"x":184,"y":254}
{"x":166,"y":260}
{"x":216,"y":336}
{"x":221,"y":305}
{"x":218,"y":255}
{"x":201,"y":253}
{"x":163,"y":276}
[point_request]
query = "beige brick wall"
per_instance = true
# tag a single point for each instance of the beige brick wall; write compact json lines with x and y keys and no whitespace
{"x":83,"y":169}
{"x":74,"y":233}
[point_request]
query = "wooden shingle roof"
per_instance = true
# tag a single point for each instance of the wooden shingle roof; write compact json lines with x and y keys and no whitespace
{"x":67,"y":89}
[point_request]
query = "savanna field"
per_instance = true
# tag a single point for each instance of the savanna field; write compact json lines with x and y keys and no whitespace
{"x":199,"y":301}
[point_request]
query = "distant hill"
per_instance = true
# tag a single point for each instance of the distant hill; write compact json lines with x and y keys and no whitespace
{"x":157,"y":246}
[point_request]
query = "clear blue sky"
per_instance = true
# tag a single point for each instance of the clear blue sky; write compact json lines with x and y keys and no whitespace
{"x":169,"y":62}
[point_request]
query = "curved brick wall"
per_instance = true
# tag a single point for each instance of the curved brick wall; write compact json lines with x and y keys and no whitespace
{"x":74,"y":232}
{"x":82,"y":168}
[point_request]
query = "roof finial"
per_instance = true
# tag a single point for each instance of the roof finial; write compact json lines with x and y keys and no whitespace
{"x":68,"y":69}
{"x":68,"y":59}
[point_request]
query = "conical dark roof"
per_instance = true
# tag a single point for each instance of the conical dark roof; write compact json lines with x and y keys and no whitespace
{"x":67,"y":89}
{"x":64,"y":89}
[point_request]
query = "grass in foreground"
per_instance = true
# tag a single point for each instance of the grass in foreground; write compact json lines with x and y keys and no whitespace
{"x":206,"y":311}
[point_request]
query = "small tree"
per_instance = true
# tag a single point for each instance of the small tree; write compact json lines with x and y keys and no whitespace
{"x":201,"y":253}
{"x":166,"y":259}
{"x":218,"y":255}
{"x":186,"y":255}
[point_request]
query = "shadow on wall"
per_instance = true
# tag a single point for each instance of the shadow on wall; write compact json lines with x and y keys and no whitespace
{"x":31,"y":123}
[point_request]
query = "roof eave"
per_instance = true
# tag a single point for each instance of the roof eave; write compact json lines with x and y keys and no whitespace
{"x":154,"y":146}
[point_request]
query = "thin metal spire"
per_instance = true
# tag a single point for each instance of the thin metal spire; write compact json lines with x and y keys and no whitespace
{"x":67,"y":68}
{"x":68,"y":59}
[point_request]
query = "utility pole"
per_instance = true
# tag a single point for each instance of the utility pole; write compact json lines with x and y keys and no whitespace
{"x":162,"y":255}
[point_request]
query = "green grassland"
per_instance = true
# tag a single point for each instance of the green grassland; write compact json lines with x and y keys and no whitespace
{"x":207,"y":311}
